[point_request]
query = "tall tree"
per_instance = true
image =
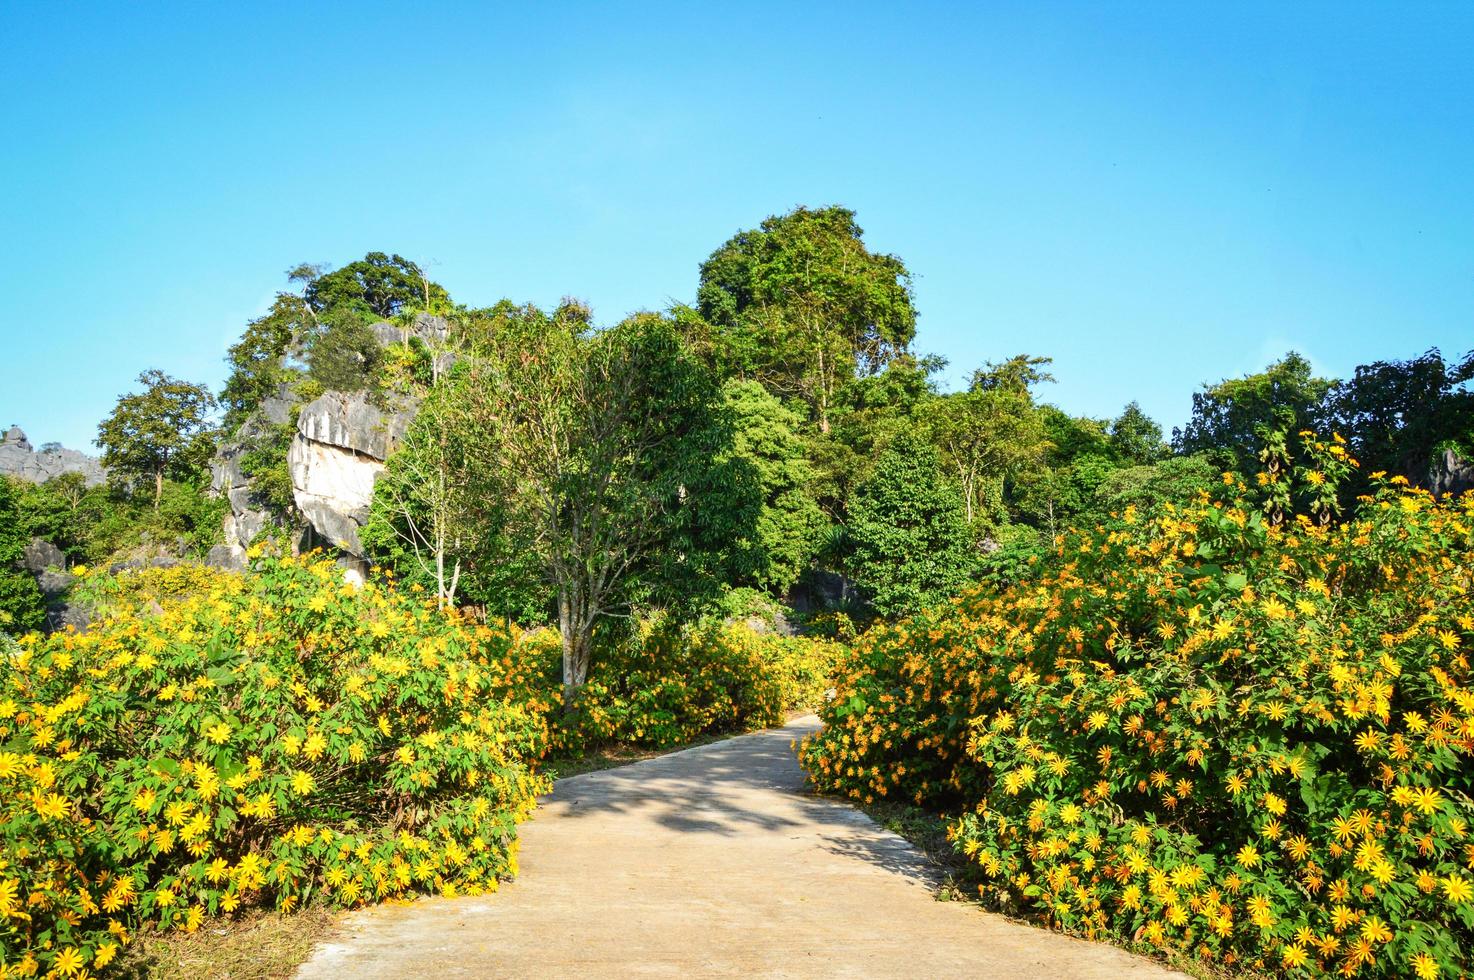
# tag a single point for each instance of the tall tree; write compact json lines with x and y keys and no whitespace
{"x":1397,"y":414}
{"x":1135,"y":438}
{"x":162,"y":430}
{"x":992,"y":434}
{"x":591,"y":434}
{"x":258,"y":361}
{"x":1229,"y":418}
{"x":790,"y":526}
{"x":909,"y":541}
{"x":801,"y":305}
{"x":376,"y":286}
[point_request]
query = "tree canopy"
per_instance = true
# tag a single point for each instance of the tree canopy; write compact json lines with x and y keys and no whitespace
{"x":801,"y":304}
{"x":162,"y":430}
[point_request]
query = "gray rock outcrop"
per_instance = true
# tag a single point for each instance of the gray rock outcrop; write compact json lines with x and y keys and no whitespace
{"x":1450,"y":474}
{"x":40,"y":555}
{"x":338,"y":452}
{"x":249,"y":513}
{"x":19,"y":459}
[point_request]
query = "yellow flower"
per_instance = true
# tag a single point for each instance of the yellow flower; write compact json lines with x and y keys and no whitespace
{"x":1425,"y":966}
{"x":1375,"y":930}
{"x":1457,"y":888}
{"x":302,"y":783}
{"x":1295,"y":956}
{"x":68,"y":962}
{"x":1248,"y":856}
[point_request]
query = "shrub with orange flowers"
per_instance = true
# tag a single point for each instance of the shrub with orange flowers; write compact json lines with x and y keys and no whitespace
{"x":216,"y":741}
{"x":1220,"y":728}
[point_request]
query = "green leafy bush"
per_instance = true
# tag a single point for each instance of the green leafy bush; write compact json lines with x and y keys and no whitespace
{"x":217,"y":741}
{"x":666,"y":686}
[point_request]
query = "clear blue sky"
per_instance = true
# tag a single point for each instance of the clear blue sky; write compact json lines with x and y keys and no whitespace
{"x":1155,"y":195}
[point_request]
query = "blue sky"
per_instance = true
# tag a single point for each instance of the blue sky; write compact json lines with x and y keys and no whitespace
{"x":1155,"y":195}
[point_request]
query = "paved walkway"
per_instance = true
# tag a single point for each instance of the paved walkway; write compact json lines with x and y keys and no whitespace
{"x":708,"y":862}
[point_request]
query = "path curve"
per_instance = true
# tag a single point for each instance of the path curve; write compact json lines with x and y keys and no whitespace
{"x":711,"y":861}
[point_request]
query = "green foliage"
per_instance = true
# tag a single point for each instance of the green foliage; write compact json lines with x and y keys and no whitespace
{"x":992,"y":437}
{"x":1135,"y":439}
{"x":1398,"y":414}
{"x":1176,"y":480}
{"x":22,"y":606}
{"x":1201,"y":730}
{"x":595,"y":441}
{"x":258,"y":362}
{"x":665,"y":685}
{"x":908,"y":536}
{"x":344,"y":354}
{"x":800,"y":304}
{"x":218,"y":742}
{"x":265,"y":465}
{"x":1228,"y":417}
{"x":439,"y":516}
{"x":162,"y":431}
{"x":378,"y":286}
{"x":790,"y":525}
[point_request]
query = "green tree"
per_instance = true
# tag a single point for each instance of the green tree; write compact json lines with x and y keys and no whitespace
{"x":992,"y":435}
{"x":1398,"y":414}
{"x":258,"y":362}
{"x":909,"y":545}
{"x":378,"y":286}
{"x":1135,"y":439}
{"x":162,"y":430}
{"x":344,"y":353}
{"x":800,"y":304}
{"x":22,"y":606}
{"x":1176,"y":480}
{"x":1228,"y":418}
{"x":592,"y":436}
{"x":438,"y":517}
{"x":790,"y":526}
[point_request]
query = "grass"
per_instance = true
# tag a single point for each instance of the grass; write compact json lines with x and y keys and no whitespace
{"x":264,"y":946}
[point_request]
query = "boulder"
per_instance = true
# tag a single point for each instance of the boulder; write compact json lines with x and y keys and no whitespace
{"x":40,"y":555}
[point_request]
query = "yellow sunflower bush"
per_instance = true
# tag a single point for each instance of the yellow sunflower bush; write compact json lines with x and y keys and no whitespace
{"x":216,"y":741}
{"x":1203,"y":730}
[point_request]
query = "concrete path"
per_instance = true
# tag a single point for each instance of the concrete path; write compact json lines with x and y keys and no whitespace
{"x":705,"y":863}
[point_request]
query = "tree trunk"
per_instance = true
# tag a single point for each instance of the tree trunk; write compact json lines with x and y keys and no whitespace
{"x":575,"y":630}
{"x":158,"y":487}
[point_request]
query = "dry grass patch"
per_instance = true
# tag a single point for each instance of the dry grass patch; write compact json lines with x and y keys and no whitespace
{"x":267,"y":946}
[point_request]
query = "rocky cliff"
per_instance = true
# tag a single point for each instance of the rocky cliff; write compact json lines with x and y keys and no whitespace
{"x":338,"y":448}
{"x":19,"y":459}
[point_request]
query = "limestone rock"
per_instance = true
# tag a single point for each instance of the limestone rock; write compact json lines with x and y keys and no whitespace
{"x":341,"y":444}
{"x":1451,"y":474}
{"x":40,"y":555}
{"x":19,"y":459}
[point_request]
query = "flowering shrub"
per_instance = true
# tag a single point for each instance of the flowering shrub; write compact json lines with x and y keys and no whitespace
{"x":668,"y":686}
{"x":1246,"y":740}
{"x":218,"y":740}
